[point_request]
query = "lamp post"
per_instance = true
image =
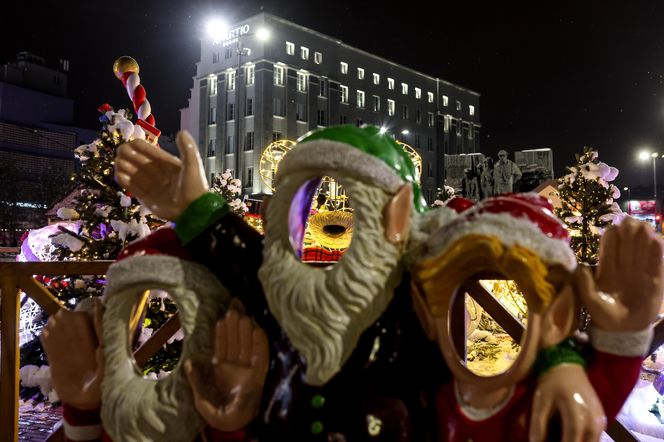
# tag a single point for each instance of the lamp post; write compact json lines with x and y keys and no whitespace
{"x":643,"y":156}
{"x":629,"y":198}
{"x":219,"y":32}
{"x":262,"y":35}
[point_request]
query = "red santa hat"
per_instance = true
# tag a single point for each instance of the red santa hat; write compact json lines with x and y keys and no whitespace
{"x":158,"y":258}
{"x":524,"y":219}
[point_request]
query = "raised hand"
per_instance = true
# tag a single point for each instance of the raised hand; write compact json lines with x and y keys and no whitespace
{"x":565,"y":390}
{"x":71,"y":342}
{"x":230,"y":400}
{"x":164,"y":183}
{"x":627,"y":295}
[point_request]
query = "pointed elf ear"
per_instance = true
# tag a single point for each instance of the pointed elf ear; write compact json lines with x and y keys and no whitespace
{"x":396,"y":215}
{"x":422,"y":311}
{"x":559,"y":318}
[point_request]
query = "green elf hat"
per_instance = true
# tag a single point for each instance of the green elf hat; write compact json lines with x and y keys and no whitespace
{"x":362,"y":151}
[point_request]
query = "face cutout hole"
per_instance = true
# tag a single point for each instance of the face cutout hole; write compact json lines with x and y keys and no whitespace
{"x":158,"y":351}
{"x":494,"y":320}
{"x":320,"y":221}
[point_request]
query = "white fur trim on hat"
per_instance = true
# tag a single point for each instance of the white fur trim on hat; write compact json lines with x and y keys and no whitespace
{"x":511,"y":231}
{"x":328,"y":157}
{"x":160,"y":269}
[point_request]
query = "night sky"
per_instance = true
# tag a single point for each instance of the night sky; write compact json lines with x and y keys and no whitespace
{"x":563,"y":75}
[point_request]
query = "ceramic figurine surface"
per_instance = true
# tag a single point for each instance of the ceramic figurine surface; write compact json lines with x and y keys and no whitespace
{"x":348,"y":356}
{"x":517,"y":236}
{"x":135,"y":408}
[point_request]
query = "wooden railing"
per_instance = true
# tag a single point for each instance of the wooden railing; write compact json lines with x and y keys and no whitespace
{"x":16,"y":277}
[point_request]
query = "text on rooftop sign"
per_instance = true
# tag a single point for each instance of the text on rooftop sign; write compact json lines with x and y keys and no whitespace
{"x":233,"y":35}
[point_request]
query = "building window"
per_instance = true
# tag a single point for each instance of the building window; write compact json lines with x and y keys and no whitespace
{"x":418,"y":93}
{"x":344,"y":68}
{"x":213,"y":84}
{"x":290,"y":48}
{"x":446,"y":100}
{"x":249,"y":107}
{"x":212,"y":116}
{"x":322,"y":91}
{"x":230,"y":115}
{"x":343,"y":119}
{"x":302,"y":81}
{"x":376,"y":79}
{"x":250,"y":74}
{"x":376,"y":103}
{"x":429,"y":170}
{"x":211,"y":148}
{"x":404,"y":111}
{"x":279,"y":75}
{"x":320,"y":117}
{"x":228,"y":53}
{"x":430,"y":97}
{"x":230,"y":146}
{"x":471,"y":110}
{"x":276,"y":136}
{"x":359,"y":122}
{"x":418,"y":116}
{"x":318,"y":57}
{"x":471,"y":130}
{"x":430,"y":144}
{"x":360,"y":99}
{"x":304,"y":53}
{"x":446,"y":124}
{"x":249,"y":178}
{"x":343,"y":93}
{"x":458,"y":105}
{"x":360,"y":74}
{"x":390,"y":107}
{"x":417,"y":140}
{"x":249,"y":141}
{"x":277,"y":107}
{"x":390,"y":84}
{"x":301,"y":112}
{"x":431,"y":119}
{"x":230,"y":80}
{"x":215,"y":57}
{"x":404,"y":88}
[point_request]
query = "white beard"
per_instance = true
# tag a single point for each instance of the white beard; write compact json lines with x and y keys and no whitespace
{"x":324,"y":311}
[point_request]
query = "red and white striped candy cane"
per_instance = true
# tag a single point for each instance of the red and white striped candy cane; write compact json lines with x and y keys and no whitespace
{"x":126,"y":70}
{"x":136,"y":91}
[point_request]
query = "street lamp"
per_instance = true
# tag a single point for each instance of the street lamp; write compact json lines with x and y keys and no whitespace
{"x":219,"y":31}
{"x":216,"y":30}
{"x":629,"y":198}
{"x":643,"y":156}
{"x":262,"y":35}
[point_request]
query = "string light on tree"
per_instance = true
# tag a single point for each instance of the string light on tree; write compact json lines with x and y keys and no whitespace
{"x":587,"y":203}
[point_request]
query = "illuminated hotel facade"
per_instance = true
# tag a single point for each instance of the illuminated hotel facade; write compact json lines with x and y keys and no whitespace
{"x":297,"y":80}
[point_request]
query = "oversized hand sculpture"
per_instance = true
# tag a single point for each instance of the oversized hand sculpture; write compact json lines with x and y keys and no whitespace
{"x":71,"y":341}
{"x":239,"y":367}
{"x":565,"y":391}
{"x":628,"y":293}
{"x":166,"y":184}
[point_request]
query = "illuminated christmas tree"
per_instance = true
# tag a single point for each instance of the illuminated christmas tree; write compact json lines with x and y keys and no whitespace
{"x":587,"y":195}
{"x":103,"y":220}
